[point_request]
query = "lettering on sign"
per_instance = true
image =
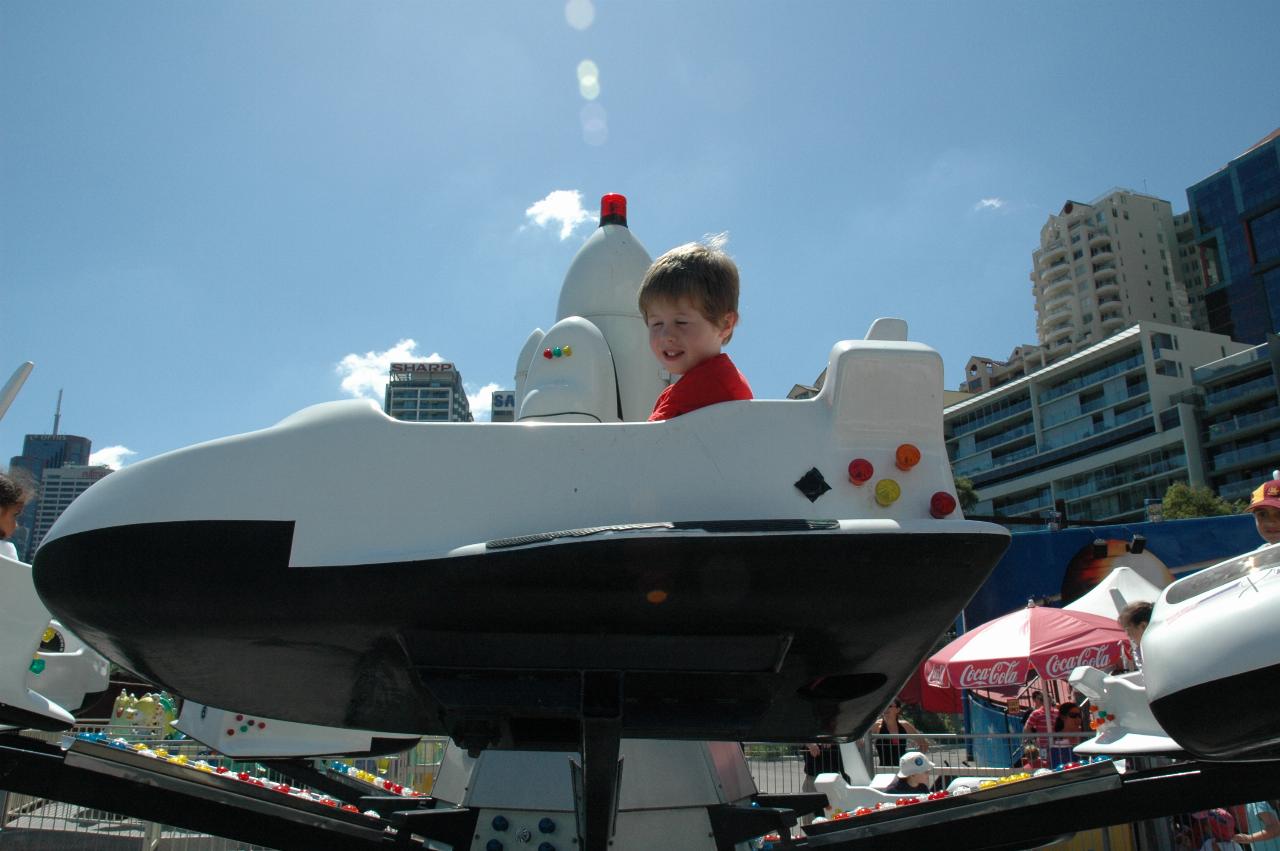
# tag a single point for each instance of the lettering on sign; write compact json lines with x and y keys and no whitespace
{"x":1007,"y":673}
{"x":1099,"y":656}
{"x":422,"y":367}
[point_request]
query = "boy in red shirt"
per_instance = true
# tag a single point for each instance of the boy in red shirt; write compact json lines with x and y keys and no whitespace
{"x":689,"y":300}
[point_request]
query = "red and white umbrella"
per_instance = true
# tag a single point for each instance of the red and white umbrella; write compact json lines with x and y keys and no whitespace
{"x":1003,"y":651}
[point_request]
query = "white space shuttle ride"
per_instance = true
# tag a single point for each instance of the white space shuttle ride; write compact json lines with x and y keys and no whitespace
{"x":594,"y":365}
{"x":732,"y":574}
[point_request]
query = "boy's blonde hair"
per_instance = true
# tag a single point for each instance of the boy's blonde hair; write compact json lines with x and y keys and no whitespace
{"x":702,"y":273}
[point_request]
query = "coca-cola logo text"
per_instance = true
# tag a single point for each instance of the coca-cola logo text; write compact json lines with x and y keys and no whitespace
{"x":1006,"y":673}
{"x":1099,"y":656}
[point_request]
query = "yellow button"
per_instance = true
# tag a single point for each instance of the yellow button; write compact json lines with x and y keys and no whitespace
{"x":887,"y":491}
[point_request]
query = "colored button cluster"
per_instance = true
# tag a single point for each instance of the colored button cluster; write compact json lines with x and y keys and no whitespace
{"x":244,"y":725}
{"x":558,"y":352}
{"x":888,"y":491}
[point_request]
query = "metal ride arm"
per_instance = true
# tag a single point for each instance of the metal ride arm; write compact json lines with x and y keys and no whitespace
{"x":1032,"y":812}
{"x":100,"y":777}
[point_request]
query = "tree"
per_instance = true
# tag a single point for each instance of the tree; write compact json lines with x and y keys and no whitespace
{"x":966,"y":493}
{"x":1182,"y":501}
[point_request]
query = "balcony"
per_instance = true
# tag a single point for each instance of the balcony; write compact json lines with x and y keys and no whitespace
{"x":1040,"y":502}
{"x":1002,"y":437}
{"x":1246,"y":455}
{"x":1060,"y":331}
{"x":1052,"y":305}
{"x":1058,"y":286}
{"x":1244,"y":422}
{"x":1104,"y":270}
{"x":1096,"y":376}
{"x":1107,"y":287}
{"x":1256,"y":387}
{"x":1066,"y":437}
{"x":1053,"y":251}
{"x":1099,"y":236}
{"x":1056,"y":274}
{"x":1102,"y":252}
{"x":1229,"y":364}
{"x":1101,"y":481}
{"x":1002,"y":413}
{"x":1237,"y":490}
{"x":1113,"y":323}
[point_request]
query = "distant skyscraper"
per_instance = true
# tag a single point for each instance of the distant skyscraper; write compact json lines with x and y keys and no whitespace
{"x":41,"y":452}
{"x":1236,"y":213}
{"x":1103,"y":266}
{"x":426,"y":392}
{"x":59,"y":487}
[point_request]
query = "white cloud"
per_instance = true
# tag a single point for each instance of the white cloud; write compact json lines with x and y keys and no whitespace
{"x":562,"y":206}
{"x":718,"y":241}
{"x":365,"y":376}
{"x":989,"y":204}
{"x":481,"y":401}
{"x":113,"y":456}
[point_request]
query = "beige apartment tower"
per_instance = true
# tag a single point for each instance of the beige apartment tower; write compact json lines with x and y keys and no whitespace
{"x":1103,"y":266}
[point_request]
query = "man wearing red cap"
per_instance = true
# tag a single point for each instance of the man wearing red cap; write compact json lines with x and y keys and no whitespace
{"x":1265,"y":507}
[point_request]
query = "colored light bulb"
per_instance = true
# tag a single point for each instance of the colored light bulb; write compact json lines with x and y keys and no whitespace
{"x":907,"y":456}
{"x":860,"y":471}
{"x":887,"y":492}
{"x":941,"y":504}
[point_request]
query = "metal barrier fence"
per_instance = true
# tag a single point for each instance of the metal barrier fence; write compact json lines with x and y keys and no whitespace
{"x":37,"y":824}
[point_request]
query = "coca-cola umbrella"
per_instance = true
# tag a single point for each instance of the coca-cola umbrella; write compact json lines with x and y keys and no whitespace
{"x":1003,"y":651}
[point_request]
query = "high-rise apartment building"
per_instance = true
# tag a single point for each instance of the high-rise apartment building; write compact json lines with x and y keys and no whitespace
{"x":1102,"y":430}
{"x":1236,"y":215}
{"x":58,"y":487}
{"x":1103,"y":266}
{"x":1238,"y":401}
{"x":41,"y":452}
{"x":1191,"y":272}
{"x":426,"y":392}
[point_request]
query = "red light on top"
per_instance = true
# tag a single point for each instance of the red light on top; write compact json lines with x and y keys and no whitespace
{"x":907,"y":456}
{"x":942,"y":504}
{"x":613,"y":209}
{"x":860,"y":471}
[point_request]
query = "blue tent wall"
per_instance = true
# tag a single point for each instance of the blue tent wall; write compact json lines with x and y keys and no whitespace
{"x":1036,"y":562}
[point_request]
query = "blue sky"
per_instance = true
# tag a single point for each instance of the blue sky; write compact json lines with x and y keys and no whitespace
{"x":215,"y":214}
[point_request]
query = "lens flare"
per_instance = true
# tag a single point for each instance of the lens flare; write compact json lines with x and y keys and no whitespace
{"x":588,"y":79}
{"x":579,"y":13}
{"x":595,"y":124}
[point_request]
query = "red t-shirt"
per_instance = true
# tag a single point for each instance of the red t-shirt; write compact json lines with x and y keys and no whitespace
{"x":714,"y":380}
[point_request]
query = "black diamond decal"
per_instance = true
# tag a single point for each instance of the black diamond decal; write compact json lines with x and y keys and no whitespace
{"x":812,"y":485}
